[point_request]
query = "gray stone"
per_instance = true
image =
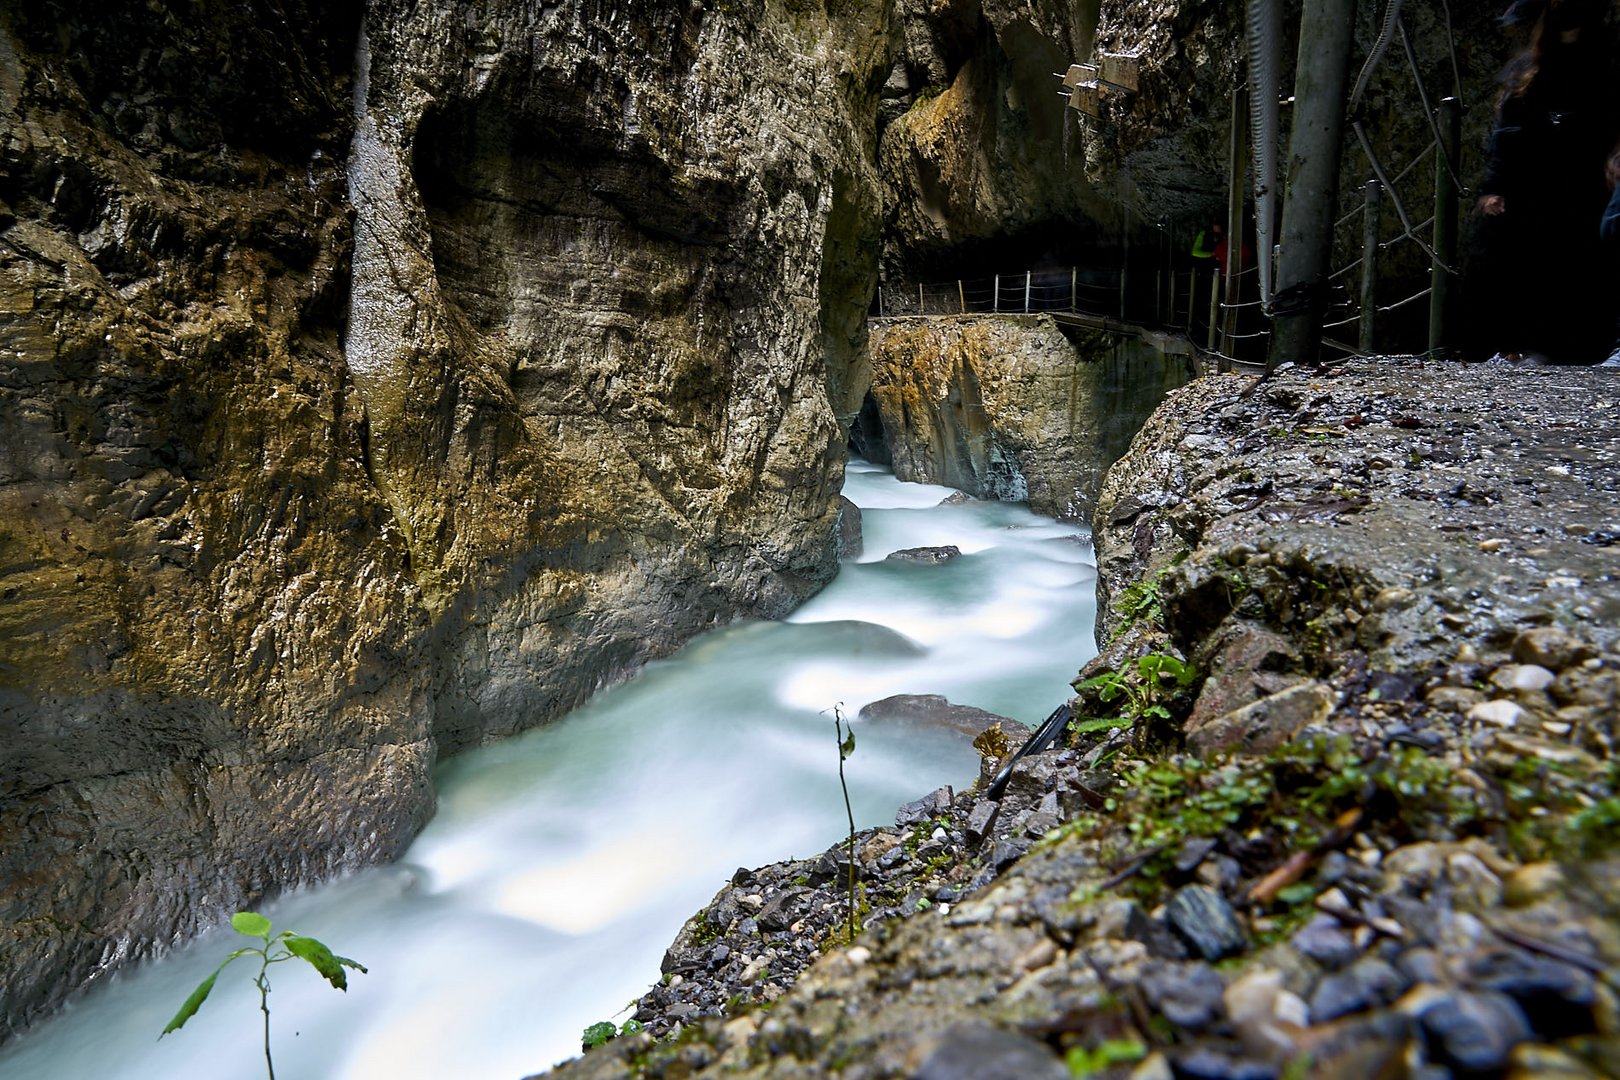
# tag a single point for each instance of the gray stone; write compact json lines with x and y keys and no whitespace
{"x":1551,"y":647}
{"x":1007,"y":852}
{"x":982,"y":819}
{"x":1190,"y":996}
{"x":1474,"y":1032}
{"x":1558,"y":999}
{"x":934,"y":555}
{"x":1206,"y":921}
{"x":1367,"y":983}
{"x":1325,"y":940}
{"x":850,"y":538}
{"x":936,"y":711}
{"x":1268,"y":723}
{"x":981,"y":1052}
{"x":930,"y":806}
{"x":1207,"y":1064}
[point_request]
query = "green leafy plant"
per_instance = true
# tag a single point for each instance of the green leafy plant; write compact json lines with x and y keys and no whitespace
{"x":1086,"y":1061}
{"x":604,"y":1031}
{"x":1139,"y":602}
{"x":274,"y":950}
{"x":1144,"y":693}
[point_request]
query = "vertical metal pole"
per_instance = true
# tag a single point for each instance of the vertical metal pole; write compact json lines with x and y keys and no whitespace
{"x":1445,"y":220}
{"x":920,"y":310}
{"x":961,"y":297}
{"x":1074,"y":288}
{"x":1029,"y":278}
{"x":1369,"y":266}
{"x":1238,"y":149}
{"x":880,"y":300}
{"x":1171,"y":321}
{"x":1325,"y":33}
{"x":1214,"y":306}
{"x":995,"y":305}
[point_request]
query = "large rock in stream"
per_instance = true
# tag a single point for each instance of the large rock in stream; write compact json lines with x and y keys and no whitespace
{"x":353,"y":411}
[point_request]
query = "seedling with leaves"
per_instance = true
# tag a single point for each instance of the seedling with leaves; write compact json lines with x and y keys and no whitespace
{"x":283,"y":946}
{"x":1145,"y":693}
{"x":846,"y":747}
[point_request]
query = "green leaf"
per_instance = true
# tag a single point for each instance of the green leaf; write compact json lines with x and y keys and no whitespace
{"x":322,"y":960}
{"x":847,"y":747}
{"x":598,"y":1033}
{"x":250,"y":923}
{"x":1100,"y":723}
{"x":194,"y":1002}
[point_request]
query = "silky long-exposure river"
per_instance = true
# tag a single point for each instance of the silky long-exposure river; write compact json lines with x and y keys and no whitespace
{"x":562,"y":862}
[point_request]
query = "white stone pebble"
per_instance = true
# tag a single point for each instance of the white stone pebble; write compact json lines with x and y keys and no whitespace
{"x":1499,"y":713}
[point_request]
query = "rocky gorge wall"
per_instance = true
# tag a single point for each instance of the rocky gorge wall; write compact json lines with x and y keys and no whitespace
{"x":977,"y":150}
{"x":1010,"y":407}
{"x":378,"y":379}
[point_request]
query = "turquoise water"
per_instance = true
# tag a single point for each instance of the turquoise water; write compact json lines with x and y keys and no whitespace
{"x":562,"y":862}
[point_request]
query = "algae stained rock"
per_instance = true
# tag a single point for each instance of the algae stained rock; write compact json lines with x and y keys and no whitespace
{"x":355,"y":413}
{"x":1012,"y":407}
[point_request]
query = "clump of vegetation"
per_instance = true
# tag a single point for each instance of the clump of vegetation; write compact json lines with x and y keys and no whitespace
{"x":1139,"y":602}
{"x":1084,"y":1061}
{"x":273,"y":950}
{"x":1145,"y":693}
{"x":1304,"y":796}
{"x":605,"y":1031}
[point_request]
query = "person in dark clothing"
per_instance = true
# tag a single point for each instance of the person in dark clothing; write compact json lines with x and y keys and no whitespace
{"x":1539,"y":284}
{"x":1609,"y":229}
{"x":1609,"y":237}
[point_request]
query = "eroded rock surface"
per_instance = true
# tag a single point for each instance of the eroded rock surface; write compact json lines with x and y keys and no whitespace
{"x":1011,"y":407}
{"x":978,"y":146}
{"x":344,"y":421}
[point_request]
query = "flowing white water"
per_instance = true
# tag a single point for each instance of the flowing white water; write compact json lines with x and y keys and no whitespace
{"x":562,"y":862}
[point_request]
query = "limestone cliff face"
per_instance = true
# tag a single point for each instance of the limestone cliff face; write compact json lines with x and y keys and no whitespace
{"x":1012,"y":407}
{"x":343,"y":421}
{"x":595,"y":255}
{"x":979,"y":148}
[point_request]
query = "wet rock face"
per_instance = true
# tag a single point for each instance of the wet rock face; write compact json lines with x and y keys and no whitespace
{"x":198,"y":576}
{"x":611,"y":306}
{"x":1012,"y":408}
{"x":1396,"y":508}
{"x":975,"y":148}
{"x":332,"y":439}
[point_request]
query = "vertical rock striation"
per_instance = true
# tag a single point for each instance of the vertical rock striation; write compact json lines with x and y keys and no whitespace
{"x":1012,"y":408}
{"x":345,"y":420}
{"x":209,"y":677}
{"x":594,"y":259}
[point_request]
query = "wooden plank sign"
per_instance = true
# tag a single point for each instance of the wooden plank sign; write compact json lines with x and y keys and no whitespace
{"x":1086,"y":99}
{"x":1120,"y":69}
{"x":1079,"y":73}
